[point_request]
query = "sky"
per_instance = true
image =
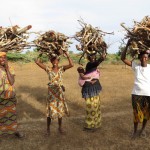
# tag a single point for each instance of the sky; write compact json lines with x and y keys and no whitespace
{"x":62,"y":16}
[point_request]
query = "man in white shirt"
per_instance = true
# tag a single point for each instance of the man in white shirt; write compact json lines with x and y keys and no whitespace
{"x":141,"y":89}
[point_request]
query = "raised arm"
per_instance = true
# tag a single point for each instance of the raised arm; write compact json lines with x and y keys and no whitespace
{"x":123,"y":56}
{"x":100,"y":59}
{"x":65,"y":67}
{"x":10,"y":77}
{"x":40,"y":64}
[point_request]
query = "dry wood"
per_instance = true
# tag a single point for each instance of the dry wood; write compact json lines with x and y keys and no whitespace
{"x":14,"y":38}
{"x":139,"y":36}
{"x":52,"y":43}
{"x":90,"y":40}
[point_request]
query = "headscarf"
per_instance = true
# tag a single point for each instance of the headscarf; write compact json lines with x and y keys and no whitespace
{"x":2,"y":54}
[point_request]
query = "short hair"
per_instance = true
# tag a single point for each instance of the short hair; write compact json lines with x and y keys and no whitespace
{"x":142,"y":53}
{"x":80,"y":70}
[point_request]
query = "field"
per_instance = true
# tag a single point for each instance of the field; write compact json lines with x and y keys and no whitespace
{"x":117,"y":118}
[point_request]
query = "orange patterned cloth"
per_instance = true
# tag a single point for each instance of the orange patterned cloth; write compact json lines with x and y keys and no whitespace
{"x":8,"y":116}
{"x":56,"y":103}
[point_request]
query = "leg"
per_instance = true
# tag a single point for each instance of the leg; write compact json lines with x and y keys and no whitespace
{"x":48,"y":125}
{"x":60,"y":125}
{"x":134,"y":105}
{"x":143,"y":127}
{"x":135,"y":126}
{"x":135,"y":130}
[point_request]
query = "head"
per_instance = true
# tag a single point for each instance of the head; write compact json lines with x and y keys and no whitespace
{"x":143,"y":56}
{"x":2,"y":58}
{"x":91,"y":57}
{"x":80,"y":70}
{"x":54,"y":60}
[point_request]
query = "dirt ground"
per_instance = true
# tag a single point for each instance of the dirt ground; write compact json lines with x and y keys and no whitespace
{"x":117,"y":118}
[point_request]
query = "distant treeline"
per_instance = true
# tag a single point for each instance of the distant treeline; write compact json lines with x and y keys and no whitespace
{"x":30,"y":56}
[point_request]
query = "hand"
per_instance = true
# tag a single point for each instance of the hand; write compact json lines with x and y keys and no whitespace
{"x":129,"y":42}
{"x":104,"y":55}
{"x":89,"y":77}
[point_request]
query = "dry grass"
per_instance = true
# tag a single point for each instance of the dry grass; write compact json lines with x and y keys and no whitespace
{"x":116,"y":113}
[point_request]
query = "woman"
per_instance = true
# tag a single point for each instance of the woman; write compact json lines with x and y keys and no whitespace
{"x":56,"y":105}
{"x":8,"y":116}
{"x":141,"y":89}
{"x":91,"y":94}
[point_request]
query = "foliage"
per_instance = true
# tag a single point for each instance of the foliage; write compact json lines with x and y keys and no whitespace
{"x":29,"y":56}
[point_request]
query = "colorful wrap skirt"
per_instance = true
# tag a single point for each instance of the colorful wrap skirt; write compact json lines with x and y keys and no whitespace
{"x":141,"y":108}
{"x":8,"y":116}
{"x":56,"y":104}
{"x":91,"y":93}
{"x":93,"y":112}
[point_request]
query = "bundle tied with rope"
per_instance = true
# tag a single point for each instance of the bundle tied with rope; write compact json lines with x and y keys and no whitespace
{"x":14,"y":38}
{"x":90,"y":40}
{"x":138,"y":36}
{"x":53,"y":44}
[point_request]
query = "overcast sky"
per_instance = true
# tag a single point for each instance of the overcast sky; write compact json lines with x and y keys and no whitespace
{"x":62,"y":15}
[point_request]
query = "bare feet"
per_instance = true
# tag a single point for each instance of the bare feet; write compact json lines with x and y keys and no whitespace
{"x":142,"y":133}
{"x":47,"y":133}
{"x":61,"y":131}
{"x":134,"y":136}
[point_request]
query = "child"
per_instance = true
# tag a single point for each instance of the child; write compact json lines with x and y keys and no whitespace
{"x":87,"y":77}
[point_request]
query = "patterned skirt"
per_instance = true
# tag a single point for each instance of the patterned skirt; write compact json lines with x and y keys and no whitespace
{"x":93,"y":112}
{"x":8,"y":116}
{"x":56,"y":104}
{"x":141,"y":107}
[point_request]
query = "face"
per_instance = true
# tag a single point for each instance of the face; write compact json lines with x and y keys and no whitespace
{"x":144,"y":58}
{"x":92,"y":58}
{"x":54,"y":61}
{"x":2,"y":60}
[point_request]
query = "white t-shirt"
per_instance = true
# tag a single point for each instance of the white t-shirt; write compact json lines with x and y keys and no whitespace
{"x":142,"y":79}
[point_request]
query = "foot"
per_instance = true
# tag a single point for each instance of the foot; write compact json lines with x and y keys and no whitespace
{"x":19,"y":135}
{"x":134,"y":136}
{"x":142,"y":133}
{"x":61,"y":131}
{"x":47,"y":133}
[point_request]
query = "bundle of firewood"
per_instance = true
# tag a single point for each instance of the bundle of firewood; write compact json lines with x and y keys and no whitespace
{"x":138,"y":36}
{"x":90,"y":40}
{"x":13,"y":38}
{"x":52,"y":43}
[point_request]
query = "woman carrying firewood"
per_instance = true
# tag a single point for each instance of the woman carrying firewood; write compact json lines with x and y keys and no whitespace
{"x":8,"y":115}
{"x":141,"y":89}
{"x":91,"y":94}
{"x":56,"y":104}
